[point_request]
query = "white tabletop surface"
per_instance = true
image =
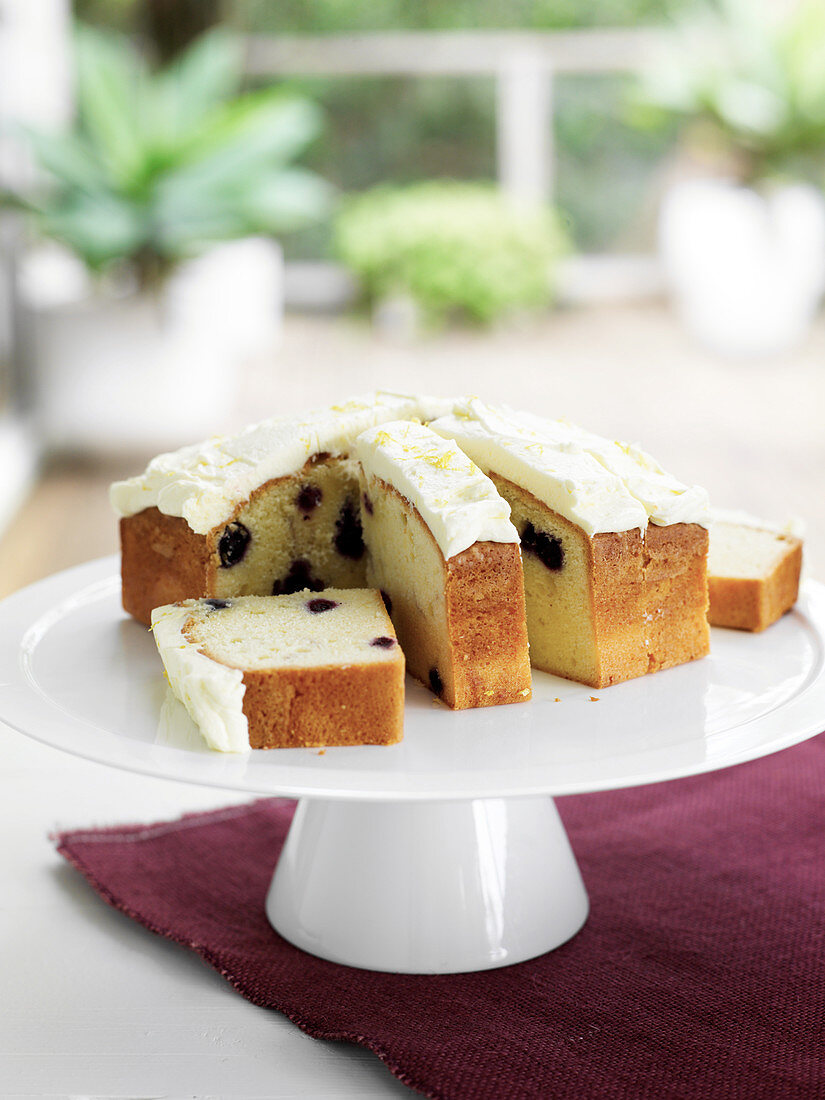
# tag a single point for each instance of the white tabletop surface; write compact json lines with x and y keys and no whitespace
{"x":92,"y":1004}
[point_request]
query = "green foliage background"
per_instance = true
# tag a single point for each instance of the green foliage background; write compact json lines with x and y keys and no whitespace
{"x":161,"y":163}
{"x":382,"y":130}
{"x":460,"y":250}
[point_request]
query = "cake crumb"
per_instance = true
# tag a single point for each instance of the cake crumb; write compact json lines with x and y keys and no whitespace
{"x":594,"y":699}
{"x":320,"y":752}
{"x":557,"y":700}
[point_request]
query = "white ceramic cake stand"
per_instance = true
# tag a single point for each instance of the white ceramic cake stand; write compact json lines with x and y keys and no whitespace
{"x":444,"y":853}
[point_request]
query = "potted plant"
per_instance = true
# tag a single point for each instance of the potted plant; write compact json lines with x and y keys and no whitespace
{"x":445,"y":250}
{"x":167,"y":191}
{"x":743,"y":235}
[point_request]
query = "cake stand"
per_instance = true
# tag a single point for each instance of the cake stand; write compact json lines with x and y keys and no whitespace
{"x":444,"y":853}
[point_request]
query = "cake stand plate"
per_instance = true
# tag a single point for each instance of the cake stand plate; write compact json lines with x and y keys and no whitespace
{"x":444,"y":853}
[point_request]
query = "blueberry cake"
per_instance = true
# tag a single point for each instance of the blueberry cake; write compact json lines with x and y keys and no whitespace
{"x":614,"y":550}
{"x":753,"y":571}
{"x":285,"y":671}
{"x":442,"y":549}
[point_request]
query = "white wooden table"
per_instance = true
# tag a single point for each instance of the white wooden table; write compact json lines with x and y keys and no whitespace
{"x":91,"y":1003}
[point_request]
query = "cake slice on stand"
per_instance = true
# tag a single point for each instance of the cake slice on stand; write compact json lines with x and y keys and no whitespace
{"x":287,"y":671}
{"x":614,"y":549}
{"x":442,"y":549}
{"x":753,"y":571}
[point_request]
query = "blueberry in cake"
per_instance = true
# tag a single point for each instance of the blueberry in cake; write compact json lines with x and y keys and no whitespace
{"x":271,"y":510}
{"x":614,"y":549}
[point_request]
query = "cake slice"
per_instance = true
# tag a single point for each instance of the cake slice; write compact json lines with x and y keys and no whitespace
{"x":675,"y":539}
{"x":614,"y":549}
{"x":441,"y":547}
{"x":270,"y":510}
{"x":284,"y":671}
{"x":753,"y":571}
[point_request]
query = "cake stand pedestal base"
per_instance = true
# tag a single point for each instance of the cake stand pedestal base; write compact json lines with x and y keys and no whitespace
{"x":427,"y":887}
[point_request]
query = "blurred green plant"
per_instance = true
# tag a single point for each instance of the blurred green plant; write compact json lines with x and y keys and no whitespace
{"x":405,"y":129}
{"x":161,"y":164}
{"x":457,"y":249}
{"x":353,"y":16}
{"x":749,"y":79}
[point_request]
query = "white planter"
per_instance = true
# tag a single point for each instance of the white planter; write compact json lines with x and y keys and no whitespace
{"x":746,"y":271}
{"x":139,"y":373}
{"x":397,"y":317}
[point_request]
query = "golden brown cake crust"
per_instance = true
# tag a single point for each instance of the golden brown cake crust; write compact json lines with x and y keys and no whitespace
{"x":616,"y":591}
{"x":753,"y":603}
{"x":641,"y":602}
{"x":676,"y":594}
{"x":295,"y":707}
{"x":472,"y":649}
{"x":488,"y":629}
{"x":647,"y":598}
{"x":162,"y":561}
{"x":601,"y":589}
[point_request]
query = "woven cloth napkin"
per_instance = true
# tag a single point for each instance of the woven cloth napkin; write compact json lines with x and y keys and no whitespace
{"x":699,"y":974}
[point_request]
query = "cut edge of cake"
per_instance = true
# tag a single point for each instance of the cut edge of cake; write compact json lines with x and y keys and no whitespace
{"x":602,"y":487}
{"x":298,"y":670}
{"x":188,"y":523}
{"x":576,"y":494}
{"x":754,"y":571}
{"x":442,"y":549}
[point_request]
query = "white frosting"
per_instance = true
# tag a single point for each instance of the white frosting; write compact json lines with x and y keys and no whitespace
{"x":793,"y":525}
{"x":664,"y":499}
{"x":211,"y":692}
{"x":205,"y":482}
{"x":459,"y":503}
{"x":599,"y":484}
{"x":569,"y":481}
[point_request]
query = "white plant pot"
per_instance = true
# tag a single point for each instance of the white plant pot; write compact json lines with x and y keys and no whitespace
{"x":143,"y":373}
{"x":397,"y":317}
{"x":747,"y":271}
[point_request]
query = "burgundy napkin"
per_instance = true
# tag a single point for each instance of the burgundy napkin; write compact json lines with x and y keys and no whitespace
{"x":699,"y":973}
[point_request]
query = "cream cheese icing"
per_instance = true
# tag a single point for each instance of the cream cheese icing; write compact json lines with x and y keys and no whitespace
{"x":456,"y":500}
{"x":793,"y":525}
{"x":205,"y":482}
{"x":569,"y":481}
{"x":212,"y":692}
{"x":578,"y":473}
{"x":664,"y":499}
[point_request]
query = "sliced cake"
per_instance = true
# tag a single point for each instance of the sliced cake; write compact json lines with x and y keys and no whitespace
{"x":441,"y":547}
{"x":753,"y":571}
{"x":271,"y":510}
{"x":614,"y":549}
{"x":287,"y":671}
